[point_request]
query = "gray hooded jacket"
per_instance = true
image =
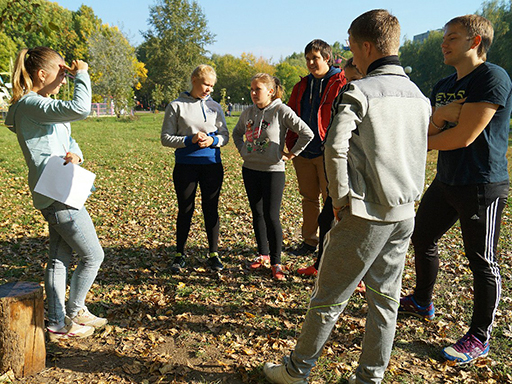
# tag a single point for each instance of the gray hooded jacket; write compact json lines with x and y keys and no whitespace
{"x":376,"y":146}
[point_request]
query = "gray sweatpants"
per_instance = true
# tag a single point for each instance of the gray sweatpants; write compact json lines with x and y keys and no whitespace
{"x":356,"y":249}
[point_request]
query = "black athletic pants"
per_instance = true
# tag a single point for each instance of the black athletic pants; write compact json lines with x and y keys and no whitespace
{"x":186,"y":178}
{"x":265,"y":192}
{"x":479,"y":209}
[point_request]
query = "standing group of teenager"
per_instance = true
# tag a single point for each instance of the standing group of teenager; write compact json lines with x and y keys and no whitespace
{"x":357,"y":137}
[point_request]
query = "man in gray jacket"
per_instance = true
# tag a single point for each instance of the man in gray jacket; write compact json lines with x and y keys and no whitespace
{"x":375,"y":153}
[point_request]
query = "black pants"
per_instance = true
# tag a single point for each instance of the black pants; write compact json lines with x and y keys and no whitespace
{"x":186,"y":177}
{"x":479,"y":209}
{"x":325,"y":223}
{"x":265,"y":192}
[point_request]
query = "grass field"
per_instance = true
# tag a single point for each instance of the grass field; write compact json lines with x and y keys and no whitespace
{"x":216,"y":328}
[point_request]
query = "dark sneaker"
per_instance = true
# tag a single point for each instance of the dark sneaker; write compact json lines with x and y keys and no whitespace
{"x":214,"y":262}
{"x":178,"y":263}
{"x":303,"y":250}
{"x":409,"y":306}
{"x":466,"y":350}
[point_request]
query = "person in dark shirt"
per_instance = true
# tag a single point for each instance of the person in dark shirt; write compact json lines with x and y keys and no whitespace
{"x":469,"y":126}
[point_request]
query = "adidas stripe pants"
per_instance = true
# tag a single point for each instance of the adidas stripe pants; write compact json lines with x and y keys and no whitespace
{"x":478,"y":208}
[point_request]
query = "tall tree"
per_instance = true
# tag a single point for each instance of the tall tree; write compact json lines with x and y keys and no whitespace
{"x":174,"y":44}
{"x":233,"y":75}
{"x":340,"y":53}
{"x":289,"y":75}
{"x":29,"y":23}
{"x":8,"y":50}
{"x":85,"y":24}
{"x":290,"y":70}
{"x":296,"y":59}
{"x":500,"y":14}
{"x":113,"y":67}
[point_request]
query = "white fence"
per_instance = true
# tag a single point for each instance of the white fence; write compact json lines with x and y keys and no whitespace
{"x":240,"y":107}
{"x":102,"y":109}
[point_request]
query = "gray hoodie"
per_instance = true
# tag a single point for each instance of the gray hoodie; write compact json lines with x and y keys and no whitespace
{"x":376,"y":146}
{"x":265,"y":131}
{"x":186,"y":116}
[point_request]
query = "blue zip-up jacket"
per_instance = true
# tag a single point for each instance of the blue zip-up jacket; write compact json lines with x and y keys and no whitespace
{"x":186,"y":116}
{"x":310,"y":104}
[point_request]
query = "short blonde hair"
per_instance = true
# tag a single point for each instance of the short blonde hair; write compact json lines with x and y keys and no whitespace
{"x":202,"y":71}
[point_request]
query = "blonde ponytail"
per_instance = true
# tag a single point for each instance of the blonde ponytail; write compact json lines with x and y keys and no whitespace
{"x":279,"y":90}
{"x":28,"y":62}
{"x":21,"y":80}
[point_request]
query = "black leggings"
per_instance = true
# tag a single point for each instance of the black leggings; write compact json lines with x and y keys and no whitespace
{"x":186,"y":177}
{"x":265,"y":192}
{"x":479,"y":209}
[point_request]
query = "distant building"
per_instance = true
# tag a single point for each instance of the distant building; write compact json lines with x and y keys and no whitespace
{"x":423,"y":36}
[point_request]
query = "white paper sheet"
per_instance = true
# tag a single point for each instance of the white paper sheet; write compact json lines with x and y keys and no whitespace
{"x":70,"y":184}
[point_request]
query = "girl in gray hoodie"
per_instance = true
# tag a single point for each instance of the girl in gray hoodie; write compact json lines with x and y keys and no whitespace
{"x":264,"y":126}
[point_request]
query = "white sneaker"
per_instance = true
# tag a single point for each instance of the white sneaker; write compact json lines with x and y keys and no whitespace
{"x":352,"y":379}
{"x":277,"y":373}
{"x":70,"y":330}
{"x":84,"y":317}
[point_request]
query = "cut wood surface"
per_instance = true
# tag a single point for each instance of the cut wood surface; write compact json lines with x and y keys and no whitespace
{"x":22,"y":347}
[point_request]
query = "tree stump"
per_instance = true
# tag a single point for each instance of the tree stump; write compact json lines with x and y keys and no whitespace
{"x":22,"y":347}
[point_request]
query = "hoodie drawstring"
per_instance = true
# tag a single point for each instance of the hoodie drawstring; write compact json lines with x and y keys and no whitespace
{"x":202,"y":109}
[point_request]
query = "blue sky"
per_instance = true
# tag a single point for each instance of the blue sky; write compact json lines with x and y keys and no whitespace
{"x":275,"y":29}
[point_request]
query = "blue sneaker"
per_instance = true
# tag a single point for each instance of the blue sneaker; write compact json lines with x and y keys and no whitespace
{"x":409,"y":306}
{"x":466,"y":350}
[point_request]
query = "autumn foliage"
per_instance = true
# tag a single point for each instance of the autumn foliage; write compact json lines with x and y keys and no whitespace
{"x":202,"y":327}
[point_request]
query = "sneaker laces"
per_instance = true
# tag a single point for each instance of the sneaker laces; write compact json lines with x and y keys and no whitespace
{"x":468,"y":343}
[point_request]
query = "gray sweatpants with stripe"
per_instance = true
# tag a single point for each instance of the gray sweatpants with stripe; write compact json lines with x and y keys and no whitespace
{"x":356,"y":249}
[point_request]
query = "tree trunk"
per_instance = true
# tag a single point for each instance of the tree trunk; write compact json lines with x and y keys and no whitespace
{"x":22,"y":347}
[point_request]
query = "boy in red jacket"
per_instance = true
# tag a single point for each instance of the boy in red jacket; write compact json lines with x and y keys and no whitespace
{"x":312,"y":99}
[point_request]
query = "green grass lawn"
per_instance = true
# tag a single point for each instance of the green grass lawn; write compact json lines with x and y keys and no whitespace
{"x":214,"y":328}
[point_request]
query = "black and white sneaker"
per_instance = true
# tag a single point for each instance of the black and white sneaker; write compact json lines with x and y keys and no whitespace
{"x":178,"y":263}
{"x":214,"y":262}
